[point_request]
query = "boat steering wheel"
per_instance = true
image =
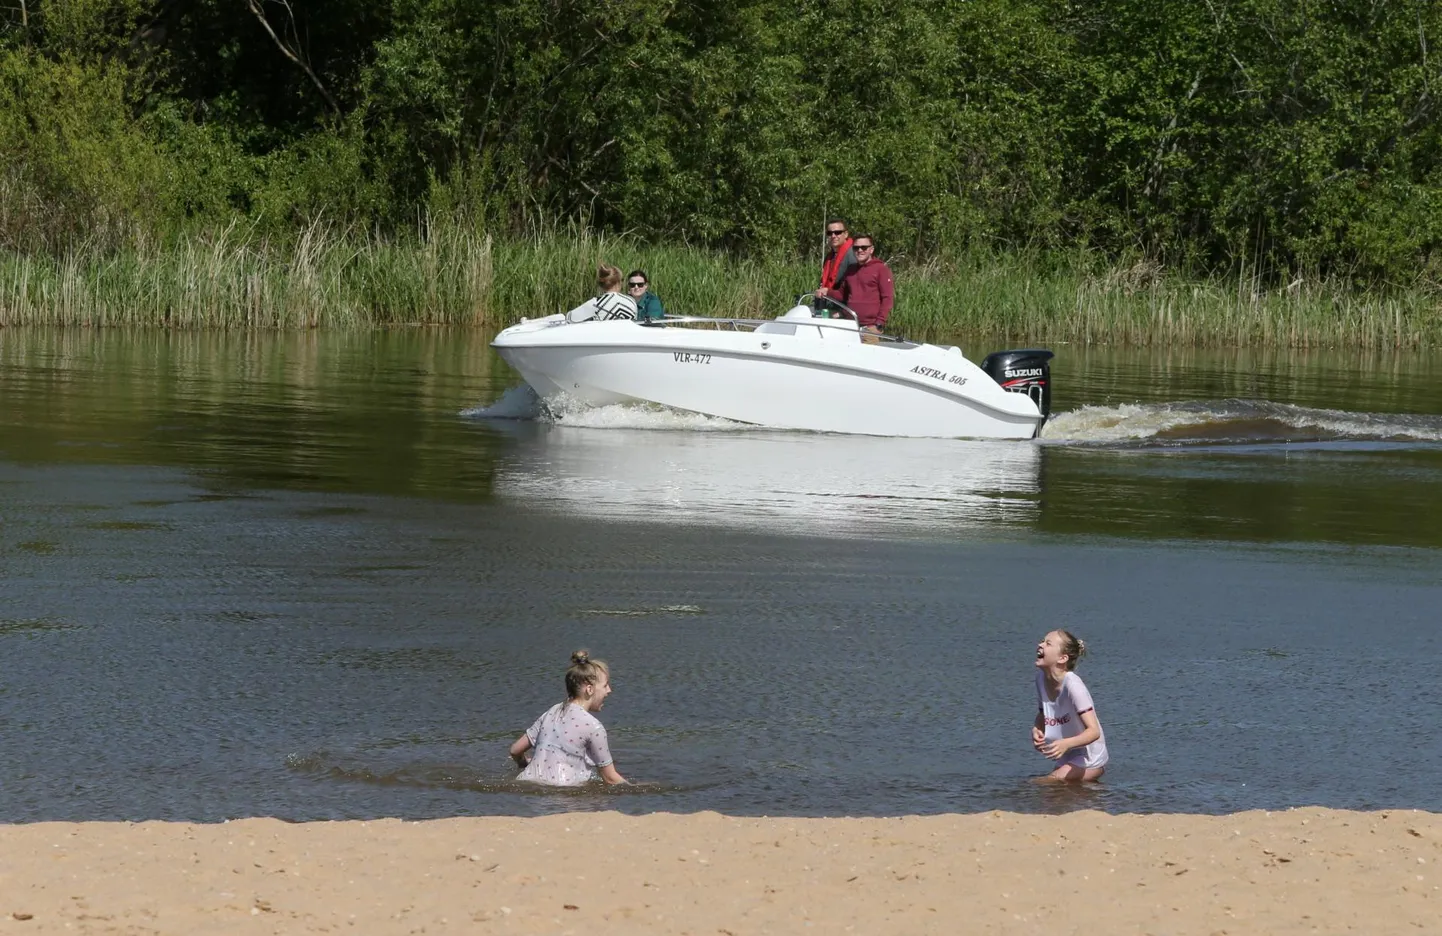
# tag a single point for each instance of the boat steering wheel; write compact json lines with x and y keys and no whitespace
{"x":827,"y":304}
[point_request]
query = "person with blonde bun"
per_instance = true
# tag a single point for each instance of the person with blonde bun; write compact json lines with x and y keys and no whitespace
{"x":609,"y":303}
{"x":567,"y":745}
{"x":1066,"y":728}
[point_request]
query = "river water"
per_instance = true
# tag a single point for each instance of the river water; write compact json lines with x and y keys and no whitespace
{"x":313,"y":576}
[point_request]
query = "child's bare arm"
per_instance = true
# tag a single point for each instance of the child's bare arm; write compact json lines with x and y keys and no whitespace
{"x":1092,"y":729}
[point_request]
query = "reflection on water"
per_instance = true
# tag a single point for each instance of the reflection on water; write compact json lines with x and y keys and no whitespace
{"x":800,"y":482}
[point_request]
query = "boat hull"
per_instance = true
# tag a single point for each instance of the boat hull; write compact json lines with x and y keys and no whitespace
{"x":770,"y":379}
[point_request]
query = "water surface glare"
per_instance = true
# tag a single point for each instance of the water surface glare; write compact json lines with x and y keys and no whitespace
{"x":305,"y":576}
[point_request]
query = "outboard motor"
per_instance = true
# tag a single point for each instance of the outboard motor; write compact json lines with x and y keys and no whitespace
{"x":1025,"y":371}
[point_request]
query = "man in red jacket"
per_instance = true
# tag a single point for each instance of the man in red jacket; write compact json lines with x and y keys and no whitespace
{"x":868,"y":289}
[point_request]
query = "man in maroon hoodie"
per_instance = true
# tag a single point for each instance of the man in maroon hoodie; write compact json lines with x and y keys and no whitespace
{"x":867,"y":289}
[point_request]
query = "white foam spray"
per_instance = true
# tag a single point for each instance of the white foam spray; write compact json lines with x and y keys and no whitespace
{"x":522,"y":403}
{"x":516,"y":403}
{"x":637,"y":416}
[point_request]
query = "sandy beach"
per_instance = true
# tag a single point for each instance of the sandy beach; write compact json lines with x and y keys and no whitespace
{"x":1300,"y":871}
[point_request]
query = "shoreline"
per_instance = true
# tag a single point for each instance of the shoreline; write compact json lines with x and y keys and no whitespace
{"x":1302,"y":870}
{"x":453,"y":276}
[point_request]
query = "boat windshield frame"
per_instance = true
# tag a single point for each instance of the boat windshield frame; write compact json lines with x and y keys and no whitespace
{"x":735,"y":324}
{"x":751,"y":324}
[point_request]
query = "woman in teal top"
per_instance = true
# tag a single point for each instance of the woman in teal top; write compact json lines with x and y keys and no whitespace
{"x":648,"y":304}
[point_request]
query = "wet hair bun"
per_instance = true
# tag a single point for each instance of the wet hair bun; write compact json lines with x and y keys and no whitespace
{"x":1073,"y":646}
{"x":580,"y":658}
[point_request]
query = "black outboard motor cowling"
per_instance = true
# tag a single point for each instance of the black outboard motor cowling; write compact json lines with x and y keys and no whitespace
{"x":1025,"y":371}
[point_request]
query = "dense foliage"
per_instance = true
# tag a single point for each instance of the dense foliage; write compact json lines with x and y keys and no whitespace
{"x":1213,"y":135}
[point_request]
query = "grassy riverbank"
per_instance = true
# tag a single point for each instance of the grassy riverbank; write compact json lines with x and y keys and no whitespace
{"x":454,"y":276}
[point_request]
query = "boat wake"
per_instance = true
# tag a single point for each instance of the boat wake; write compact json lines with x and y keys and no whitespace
{"x":1233,"y":422}
{"x":1201,"y":422}
{"x":522,"y":403}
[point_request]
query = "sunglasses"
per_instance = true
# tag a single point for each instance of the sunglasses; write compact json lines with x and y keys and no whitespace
{"x":862,"y":246}
{"x":839,"y":233}
{"x":637,"y":285}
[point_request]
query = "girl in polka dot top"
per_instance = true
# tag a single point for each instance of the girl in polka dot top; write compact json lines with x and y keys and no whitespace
{"x":567,"y":745}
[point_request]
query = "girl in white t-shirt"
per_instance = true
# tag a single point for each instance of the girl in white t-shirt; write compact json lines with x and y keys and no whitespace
{"x":567,"y":745}
{"x":1066,"y":728}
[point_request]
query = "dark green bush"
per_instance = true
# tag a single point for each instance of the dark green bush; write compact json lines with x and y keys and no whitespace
{"x":1260,"y":136}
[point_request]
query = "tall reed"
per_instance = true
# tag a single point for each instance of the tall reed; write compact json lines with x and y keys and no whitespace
{"x":452,"y":274}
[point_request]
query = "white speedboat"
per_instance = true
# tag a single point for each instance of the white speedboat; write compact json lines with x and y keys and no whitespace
{"x":794,"y":372}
